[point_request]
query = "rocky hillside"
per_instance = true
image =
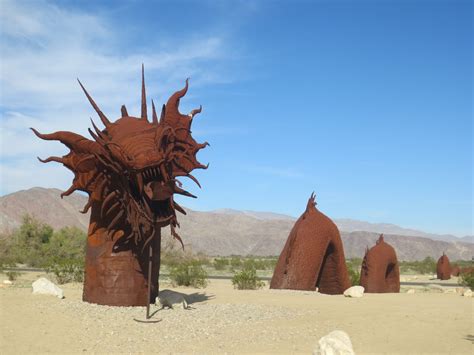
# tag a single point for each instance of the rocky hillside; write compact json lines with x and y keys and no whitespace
{"x":226,"y":232}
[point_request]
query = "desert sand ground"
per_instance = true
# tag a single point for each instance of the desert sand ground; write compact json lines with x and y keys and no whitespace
{"x":224,"y":320}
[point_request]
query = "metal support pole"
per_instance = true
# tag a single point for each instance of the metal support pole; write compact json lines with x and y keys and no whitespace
{"x":150,"y":260}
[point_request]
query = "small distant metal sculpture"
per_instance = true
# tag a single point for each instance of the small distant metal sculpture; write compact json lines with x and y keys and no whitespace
{"x":313,"y":256}
{"x":443,"y":268}
{"x":380,"y":270}
{"x":129,"y":171}
{"x":455,"y":270}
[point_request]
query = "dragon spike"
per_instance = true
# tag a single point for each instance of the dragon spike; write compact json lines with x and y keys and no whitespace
{"x":202,"y":166}
{"x":195,"y":112}
{"x":155,"y":116}
{"x":69,"y":191}
{"x":163,"y":111}
{"x":97,"y":130}
{"x":71,"y":140}
{"x":47,"y":160}
{"x":180,"y":191}
{"x":124,"y":111}
{"x":203,"y":145}
{"x":144,"y":114}
{"x":193,"y":179}
{"x":103,"y":118}
{"x":173,"y":101}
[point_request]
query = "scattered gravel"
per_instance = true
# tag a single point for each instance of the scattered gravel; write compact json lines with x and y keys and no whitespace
{"x":201,"y":322}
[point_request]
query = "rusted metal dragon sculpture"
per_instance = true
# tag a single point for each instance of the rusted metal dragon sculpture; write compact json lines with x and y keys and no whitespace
{"x":130,"y":171}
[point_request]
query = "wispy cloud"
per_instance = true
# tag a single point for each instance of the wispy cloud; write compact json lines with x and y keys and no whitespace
{"x":44,"y":47}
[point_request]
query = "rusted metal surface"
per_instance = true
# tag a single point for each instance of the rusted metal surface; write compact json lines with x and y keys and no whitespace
{"x":129,"y":170}
{"x":455,"y":270}
{"x":380,"y":272}
{"x":313,"y":256}
{"x":443,"y":268}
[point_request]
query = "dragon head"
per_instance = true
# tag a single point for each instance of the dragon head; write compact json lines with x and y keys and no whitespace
{"x":130,"y":168}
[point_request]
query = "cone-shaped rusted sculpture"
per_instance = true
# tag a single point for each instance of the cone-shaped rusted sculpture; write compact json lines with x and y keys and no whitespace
{"x":443,"y":268}
{"x":313,"y":256}
{"x":129,"y":171}
{"x":380,"y":271}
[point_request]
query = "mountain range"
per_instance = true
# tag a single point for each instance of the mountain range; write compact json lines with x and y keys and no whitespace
{"x":232,"y":232}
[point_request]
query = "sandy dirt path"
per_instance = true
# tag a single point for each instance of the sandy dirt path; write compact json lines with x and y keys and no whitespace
{"x":224,"y":320}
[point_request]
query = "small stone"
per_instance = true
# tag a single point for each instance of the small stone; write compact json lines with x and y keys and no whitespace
{"x":411,"y":291}
{"x":450,"y":290}
{"x":335,"y":343}
{"x":354,"y":291}
{"x":43,"y":286}
{"x":467,"y":293}
{"x":7,"y":282}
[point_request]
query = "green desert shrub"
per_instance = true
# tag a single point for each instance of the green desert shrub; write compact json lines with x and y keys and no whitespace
{"x":467,"y":279}
{"x":354,"y":274}
{"x":247,"y":279}
{"x":189,"y":273}
{"x":220,"y":263}
{"x":28,"y":243}
{"x":257,"y":263}
{"x":425,"y":266}
{"x":235,"y":262}
{"x":12,"y":274}
{"x":35,"y":243}
{"x":270,"y":263}
{"x":67,"y":270}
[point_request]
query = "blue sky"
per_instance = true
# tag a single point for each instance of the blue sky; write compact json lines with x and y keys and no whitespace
{"x":367,"y":103}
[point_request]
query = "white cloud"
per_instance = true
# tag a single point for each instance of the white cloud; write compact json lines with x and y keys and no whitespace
{"x":45,"y":47}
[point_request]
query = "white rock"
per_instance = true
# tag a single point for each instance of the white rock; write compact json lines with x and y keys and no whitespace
{"x":467,"y":293}
{"x":450,"y":290}
{"x":354,"y":291}
{"x":411,"y":291}
{"x":7,"y":282}
{"x":335,"y":343}
{"x":171,"y":299}
{"x":43,"y":286}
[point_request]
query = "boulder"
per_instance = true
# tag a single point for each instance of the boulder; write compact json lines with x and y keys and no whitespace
{"x":354,"y":292}
{"x":171,"y":299}
{"x":411,"y":291}
{"x":335,"y":343}
{"x":467,"y":293}
{"x":43,"y":286}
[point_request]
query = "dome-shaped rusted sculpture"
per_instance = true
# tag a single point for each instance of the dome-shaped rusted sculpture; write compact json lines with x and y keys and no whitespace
{"x":380,"y":272}
{"x":443,"y":268}
{"x":129,"y":170}
{"x":455,"y":270}
{"x":313,"y":256}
